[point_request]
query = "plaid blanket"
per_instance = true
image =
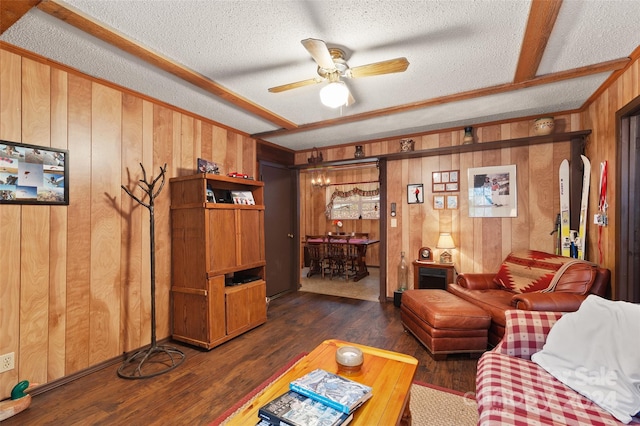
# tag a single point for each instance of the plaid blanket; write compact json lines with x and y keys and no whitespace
{"x":512,"y":390}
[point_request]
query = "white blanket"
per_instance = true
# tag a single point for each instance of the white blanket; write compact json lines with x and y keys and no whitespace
{"x":596,"y":352}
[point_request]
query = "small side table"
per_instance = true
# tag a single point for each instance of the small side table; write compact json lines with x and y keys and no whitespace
{"x":433,"y":275}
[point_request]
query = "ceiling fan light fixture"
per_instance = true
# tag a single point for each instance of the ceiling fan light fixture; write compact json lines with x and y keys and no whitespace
{"x":334,"y":94}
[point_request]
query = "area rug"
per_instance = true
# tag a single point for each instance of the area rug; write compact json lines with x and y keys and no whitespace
{"x":430,"y":405}
{"x":434,"y":405}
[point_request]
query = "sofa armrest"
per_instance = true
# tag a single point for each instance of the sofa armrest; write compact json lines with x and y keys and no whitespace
{"x":557,"y":302}
{"x":477,"y":281}
{"x":526,"y":332}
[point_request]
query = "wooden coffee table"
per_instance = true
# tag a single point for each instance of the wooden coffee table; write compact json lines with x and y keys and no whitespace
{"x":389,"y":374}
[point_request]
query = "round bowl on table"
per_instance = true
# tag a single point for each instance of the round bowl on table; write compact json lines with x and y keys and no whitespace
{"x":349,"y":359}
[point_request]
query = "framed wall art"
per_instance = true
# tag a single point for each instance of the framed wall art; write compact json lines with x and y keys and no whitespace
{"x":446,"y":181}
{"x":438,"y":202}
{"x":492,"y":191}
{"x":452,"y":202}
{"x":31,"y":174}
{"x":415,"y":193}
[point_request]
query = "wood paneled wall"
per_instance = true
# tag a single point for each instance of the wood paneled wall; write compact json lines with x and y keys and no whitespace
{"x":75,"y":288}
{"x":600,"y":116}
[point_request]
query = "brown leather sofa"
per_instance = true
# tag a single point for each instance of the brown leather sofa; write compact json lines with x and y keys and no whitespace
{"x":481,"y":290}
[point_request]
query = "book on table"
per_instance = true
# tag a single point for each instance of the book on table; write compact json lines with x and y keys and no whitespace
{"x":294,"y":409}
{"x":337,"y":392}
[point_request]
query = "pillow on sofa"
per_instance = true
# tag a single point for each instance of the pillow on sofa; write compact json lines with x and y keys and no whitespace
{"x":593,"y":351}
{"x":530,"y":270}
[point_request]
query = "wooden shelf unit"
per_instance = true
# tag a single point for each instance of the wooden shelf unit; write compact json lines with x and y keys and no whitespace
{"x":212,"y":246}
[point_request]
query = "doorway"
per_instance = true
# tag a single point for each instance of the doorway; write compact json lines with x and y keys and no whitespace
{"x":350,"y":182}
{"x":280,"y":226}
{"x":628,"y":220}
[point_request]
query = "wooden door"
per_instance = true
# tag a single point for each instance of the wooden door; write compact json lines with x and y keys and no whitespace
{"x":280,"y":223}
{"x":627,"y":283}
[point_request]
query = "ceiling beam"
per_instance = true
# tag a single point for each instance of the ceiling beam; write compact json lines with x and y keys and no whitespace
{"x":11,"y":11}
{"x":77,"y":19}
{"x":542,"y":18}
{"x":614,"y":65}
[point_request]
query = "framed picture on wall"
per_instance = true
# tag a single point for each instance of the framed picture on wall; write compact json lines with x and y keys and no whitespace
{"x":452,"y":202}
{"x":415,"y":193}
{"x":492,"y":191}
{"x":445,"y":181}
{"x":31,"y":174}
{"x":438,"y":202}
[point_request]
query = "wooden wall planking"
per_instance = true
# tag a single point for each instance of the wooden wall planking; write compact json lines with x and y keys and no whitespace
{"x":106,"y":123}
{"x":10,"y":107}
{"x":79,"y":293}
{"x":58,"y":237}
{"x":79,"y":234}
{"x":131,"y":223}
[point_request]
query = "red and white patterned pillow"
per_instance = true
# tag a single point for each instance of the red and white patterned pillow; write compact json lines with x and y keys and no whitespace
{"x":529,"y":270}
{"x":525,"y":332}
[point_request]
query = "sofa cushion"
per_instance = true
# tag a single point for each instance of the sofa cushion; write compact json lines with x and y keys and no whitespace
{"x":526,"y":332}
{"x":530,"y":270}
{"x":515,"y":391}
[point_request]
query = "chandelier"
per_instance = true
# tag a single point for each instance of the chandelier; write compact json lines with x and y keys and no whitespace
{"x":319,"y":178}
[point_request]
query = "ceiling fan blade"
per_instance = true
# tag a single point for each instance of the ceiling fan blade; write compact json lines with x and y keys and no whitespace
{"x":319,"y":52}
{"x":378,"y":68}
{"x":295,"y":85}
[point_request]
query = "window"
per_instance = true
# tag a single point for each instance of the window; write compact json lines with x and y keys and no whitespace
{"x":354,"y":202}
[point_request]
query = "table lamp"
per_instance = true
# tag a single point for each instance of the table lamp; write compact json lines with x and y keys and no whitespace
{"x":445,"y":242}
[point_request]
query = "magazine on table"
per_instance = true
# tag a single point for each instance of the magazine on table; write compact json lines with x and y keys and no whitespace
{"x":335,"y":391}
{"x":294,"y":409}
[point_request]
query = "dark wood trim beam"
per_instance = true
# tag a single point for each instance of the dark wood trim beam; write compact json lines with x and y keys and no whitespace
{"x":542,"y":18}
{"x":12,"y":11}
{"x":84,"y":23}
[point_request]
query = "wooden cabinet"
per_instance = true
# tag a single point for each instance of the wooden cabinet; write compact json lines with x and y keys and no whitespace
{"x":218,"y":259}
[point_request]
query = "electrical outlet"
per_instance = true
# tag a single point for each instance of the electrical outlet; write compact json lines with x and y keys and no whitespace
{"x":7,"y":362}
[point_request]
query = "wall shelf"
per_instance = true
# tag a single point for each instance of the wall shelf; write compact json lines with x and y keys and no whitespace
{"x":576,"y":138}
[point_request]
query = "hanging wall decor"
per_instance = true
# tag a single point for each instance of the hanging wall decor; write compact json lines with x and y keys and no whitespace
{"x":492,"y":191}
{"x":415,"y":193}
{"x":446,"y":181}
{"x":31,"y":174}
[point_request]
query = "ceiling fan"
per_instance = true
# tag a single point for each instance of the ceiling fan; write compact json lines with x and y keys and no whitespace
{"x":332,"y":66}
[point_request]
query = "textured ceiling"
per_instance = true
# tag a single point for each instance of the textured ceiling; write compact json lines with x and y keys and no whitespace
{"x":245,"y":47}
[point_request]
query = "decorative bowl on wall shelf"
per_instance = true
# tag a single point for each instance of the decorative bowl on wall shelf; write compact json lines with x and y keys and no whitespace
{"x":543,"y":126}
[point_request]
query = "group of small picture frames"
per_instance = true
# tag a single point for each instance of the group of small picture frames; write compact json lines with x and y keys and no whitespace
{"x":445,"y":181}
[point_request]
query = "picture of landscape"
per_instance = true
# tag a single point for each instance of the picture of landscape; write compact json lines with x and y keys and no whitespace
{"x":31,"y":174}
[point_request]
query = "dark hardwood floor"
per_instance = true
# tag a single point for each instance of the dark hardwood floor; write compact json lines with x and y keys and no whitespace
{"x":209,"y":382}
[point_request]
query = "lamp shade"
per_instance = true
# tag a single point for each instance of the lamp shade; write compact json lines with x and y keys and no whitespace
{"x":445,"y":241}
{"x":334,"y":94}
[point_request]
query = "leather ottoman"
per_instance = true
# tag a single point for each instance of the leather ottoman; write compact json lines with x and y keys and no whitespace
{"x":444,"y":323}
